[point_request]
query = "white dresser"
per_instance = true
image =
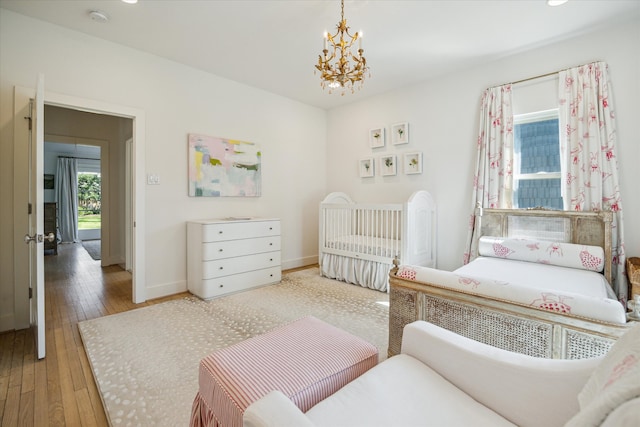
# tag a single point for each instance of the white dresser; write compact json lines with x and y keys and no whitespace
{"x":231,"y":255}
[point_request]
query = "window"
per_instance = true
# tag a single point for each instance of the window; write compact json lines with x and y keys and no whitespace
{"x":537,"y":178}
{"x":89,"y":197}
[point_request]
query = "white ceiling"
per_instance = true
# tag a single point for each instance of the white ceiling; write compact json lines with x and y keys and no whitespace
{"x":274,"y":45}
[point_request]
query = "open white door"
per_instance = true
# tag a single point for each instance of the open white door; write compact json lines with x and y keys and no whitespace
{"x":35,"y":238}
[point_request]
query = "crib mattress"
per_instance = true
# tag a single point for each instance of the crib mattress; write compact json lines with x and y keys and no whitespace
{"x":365,"y":245}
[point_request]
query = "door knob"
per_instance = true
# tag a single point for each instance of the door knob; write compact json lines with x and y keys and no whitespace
{"x":38,"y":238}
{"x":28,"y":239}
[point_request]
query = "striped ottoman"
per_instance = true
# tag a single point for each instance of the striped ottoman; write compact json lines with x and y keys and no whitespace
{"x":307,"y":360}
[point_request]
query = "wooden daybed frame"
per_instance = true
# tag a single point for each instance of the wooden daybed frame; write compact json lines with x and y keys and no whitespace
{"x":505,"y":324}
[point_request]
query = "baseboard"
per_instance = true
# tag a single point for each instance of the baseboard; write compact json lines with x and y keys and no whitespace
{"x":7,"y":323}
{"x":299,"y":262}
{"x":166,"y":289}
{"x":113,"y":260}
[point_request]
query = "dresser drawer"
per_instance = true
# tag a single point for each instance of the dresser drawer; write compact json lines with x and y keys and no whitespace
{"x":234,"y":248}
{"x":228,"y":266}
{"x":239,"y":230}
{"x":239,"y":282}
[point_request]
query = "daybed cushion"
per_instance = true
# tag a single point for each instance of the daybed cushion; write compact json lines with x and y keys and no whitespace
{"x":402,"y":391}
{"x":604,"y":309}
{"x":540,"y":276}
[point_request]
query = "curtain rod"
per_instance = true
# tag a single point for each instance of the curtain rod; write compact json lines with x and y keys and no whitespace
{"x":544,"y":75}
{"x":537,"y":77}
{"x":78,"y":158}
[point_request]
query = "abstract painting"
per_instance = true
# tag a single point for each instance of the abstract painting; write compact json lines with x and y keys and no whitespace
{"x":220,"y":167}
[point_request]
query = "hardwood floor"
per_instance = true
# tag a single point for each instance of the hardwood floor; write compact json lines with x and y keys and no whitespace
{"x":60,"y":390}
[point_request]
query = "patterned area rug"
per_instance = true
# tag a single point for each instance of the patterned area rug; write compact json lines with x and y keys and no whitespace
{"x":93,"y":248}
{"x":145,"y":361}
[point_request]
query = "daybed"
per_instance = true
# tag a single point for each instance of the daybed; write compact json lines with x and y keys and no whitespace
{"x":359,"y":241}
{"x":540,"y":286}
{"x":444,"y":379}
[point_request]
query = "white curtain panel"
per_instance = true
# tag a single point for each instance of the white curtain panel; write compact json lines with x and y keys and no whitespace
{"x":588,"y":153}
{"x":67,"y":199}
{"x":493,"y":179}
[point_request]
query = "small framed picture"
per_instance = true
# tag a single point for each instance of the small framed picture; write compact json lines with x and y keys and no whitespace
{"x":412,"y":163}
{"x":400,"y":133}
{"x":366,"y":167}
{"x":376,"y":137}
{"x":49,"y":181}
{"x":388,"y":166}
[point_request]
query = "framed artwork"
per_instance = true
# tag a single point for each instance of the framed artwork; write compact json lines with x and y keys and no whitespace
{"x":400,"y":133}
{"x":49,"y":181}
{"x":412,"y":163}
{"x":220,"y":167}
{"x":388,"y":166}
{"x":366,"y":167}
{"x":377,"y":137}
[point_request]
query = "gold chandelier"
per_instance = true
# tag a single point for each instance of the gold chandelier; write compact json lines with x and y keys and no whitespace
{"x":342,"y":68}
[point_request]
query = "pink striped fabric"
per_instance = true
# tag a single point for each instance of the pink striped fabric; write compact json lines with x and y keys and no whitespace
{"x":307,"y":360}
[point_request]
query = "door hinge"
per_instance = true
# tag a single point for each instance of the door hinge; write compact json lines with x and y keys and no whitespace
{"x":30,"y":293}
{"x":29,"y":209}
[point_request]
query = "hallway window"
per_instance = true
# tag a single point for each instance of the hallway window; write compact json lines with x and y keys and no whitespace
{"x":89,"y":200}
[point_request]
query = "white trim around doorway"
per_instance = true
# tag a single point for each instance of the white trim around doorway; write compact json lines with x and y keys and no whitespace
{"x":138,"y":175}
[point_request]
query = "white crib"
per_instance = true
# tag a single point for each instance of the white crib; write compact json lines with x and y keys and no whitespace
{"x":359,"y":241}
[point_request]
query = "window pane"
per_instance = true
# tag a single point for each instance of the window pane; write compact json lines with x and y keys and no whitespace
{"x":89,"y":201}
{"x":532,"y":193}
{"x":539,"y":146}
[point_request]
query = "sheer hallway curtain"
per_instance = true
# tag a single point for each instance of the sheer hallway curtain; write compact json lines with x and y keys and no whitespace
{"x":588,"y":153}
{"x":493,"y":179}
{"x":67,"y":199}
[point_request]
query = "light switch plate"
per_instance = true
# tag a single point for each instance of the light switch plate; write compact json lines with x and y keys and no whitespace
{"x":153,"y":179}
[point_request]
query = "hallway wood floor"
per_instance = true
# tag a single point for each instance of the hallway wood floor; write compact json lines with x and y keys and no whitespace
{"x":60,"y":390}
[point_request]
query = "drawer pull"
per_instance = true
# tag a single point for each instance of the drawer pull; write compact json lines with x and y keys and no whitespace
{"x":270,"y":244}
{"x":270,"y":228}
{"x":270,"y":259}
{"x":222,"y":286}
{"x":221,"y":268}
{"x":219,"y":250}
{"x":220,"y":232}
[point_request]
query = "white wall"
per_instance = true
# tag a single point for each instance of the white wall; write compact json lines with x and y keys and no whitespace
{"x":443,"y":117}
{"x":176,"y":100}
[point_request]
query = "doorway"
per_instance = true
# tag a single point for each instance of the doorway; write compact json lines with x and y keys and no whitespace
{"x":123,"y":172}
{"x":77,"y":212}
{"x":93,"y":143}
{"x":136,"y":178}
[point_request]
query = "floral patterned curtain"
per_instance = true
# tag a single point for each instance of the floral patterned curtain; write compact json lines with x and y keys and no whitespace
{"x":588,"y":153}
{"x":493,"y":179}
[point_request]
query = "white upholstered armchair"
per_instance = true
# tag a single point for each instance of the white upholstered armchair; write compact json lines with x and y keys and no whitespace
{"x":444,"y":379}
